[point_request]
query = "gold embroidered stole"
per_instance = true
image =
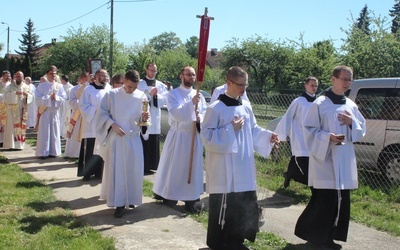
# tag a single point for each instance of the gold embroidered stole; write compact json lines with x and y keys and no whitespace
{"x":3,"y":110}
{"x":19,"y":111}
{"x":75,"y":116}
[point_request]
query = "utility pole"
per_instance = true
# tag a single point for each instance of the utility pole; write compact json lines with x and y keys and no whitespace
{"x":111,"y":38}
{"x":8,"y":45}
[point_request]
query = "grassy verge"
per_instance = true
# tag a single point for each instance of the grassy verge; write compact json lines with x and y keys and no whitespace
{"x":32,"y":218}
{"x":375,"y":208}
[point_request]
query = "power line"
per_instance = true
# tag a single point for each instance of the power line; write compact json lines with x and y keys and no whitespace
{"x":67,"y":21}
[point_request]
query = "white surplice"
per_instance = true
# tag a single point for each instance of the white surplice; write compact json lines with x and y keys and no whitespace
{"x":291,"y":125}
{"x":171,"y":180}
{"x":66,"y":110}
{"x":32,"y":109}
{"x":230,"y":164}
{"x":155,"y":112}
{"x":332,"y":166}
{"x":48,"y":134}
{"x":123,"y":155}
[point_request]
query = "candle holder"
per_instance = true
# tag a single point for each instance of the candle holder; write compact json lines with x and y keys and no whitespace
{"x":145,"y":108}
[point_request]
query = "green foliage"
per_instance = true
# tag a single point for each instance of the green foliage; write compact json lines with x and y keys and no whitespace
{"x":395,"y":14}
{"x":192,"y":46}
{"x":71,"y":55}
{"x":31,"y":217}
{"x":165,"y":41}
{"x":29,"y":47}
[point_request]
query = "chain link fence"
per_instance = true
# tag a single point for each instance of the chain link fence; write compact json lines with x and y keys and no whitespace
{"x":378,"y":153}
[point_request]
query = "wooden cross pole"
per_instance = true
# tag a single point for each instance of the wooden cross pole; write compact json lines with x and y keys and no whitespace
{"x":201,"y":65}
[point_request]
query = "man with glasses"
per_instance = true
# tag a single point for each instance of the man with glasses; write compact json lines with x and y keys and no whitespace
{"x":91,"y":164}
{"x":157,"y":92}
{"x":221,"y":90}
{"x":291,"y":125}
{"x":171,"y":181}
{"x":231,"y":135}
{"x":331,"y":126}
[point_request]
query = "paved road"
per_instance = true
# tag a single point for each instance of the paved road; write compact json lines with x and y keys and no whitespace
{"x":155,"y":226}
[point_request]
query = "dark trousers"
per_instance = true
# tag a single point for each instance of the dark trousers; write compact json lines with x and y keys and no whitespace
{"x":151,"y":152}
{"x":88,"y":163}
{"x":316,"y":223}
{"x":241,"y":220}
{"x":298,"y":169}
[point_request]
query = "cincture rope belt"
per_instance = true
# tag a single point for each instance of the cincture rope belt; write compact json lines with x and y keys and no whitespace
{"x":297,"y":164}
{"x":339,"y":204}
{"x":222,"y":211}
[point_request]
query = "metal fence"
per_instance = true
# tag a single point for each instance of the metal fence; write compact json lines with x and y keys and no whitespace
{"x":378,"y":153}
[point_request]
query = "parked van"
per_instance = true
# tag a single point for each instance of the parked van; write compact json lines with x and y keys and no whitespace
{"x":378,"y":99}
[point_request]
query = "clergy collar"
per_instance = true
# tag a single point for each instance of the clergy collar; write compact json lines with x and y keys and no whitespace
{"x":229,"y":101}
{"x":150,"y":82}
{"x":309,"y":97}
{"x":97,"y":86}
{"x":336,"y":99}
{"x":185,"y":89}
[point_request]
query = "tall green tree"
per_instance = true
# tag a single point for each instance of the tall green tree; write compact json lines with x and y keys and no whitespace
{"x":395,"y":14}
{"x":268,"y":63}
{"x":363,"y":21}
{"x":374,"y":55}
{"x":28,"y":49}
{"x":165,"y":41}
{"x":192,"y":46}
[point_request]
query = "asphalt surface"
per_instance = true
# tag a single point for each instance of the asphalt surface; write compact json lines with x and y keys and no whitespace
{"x":156,"y":226}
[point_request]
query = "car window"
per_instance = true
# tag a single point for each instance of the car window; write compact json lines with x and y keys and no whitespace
{"x":379,"y":103}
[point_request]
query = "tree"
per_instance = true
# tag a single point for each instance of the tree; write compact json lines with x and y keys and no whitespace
{"x":363,"y":21}
{"x":192,"y":46}
{"x":374,"y":55}
{"x":165,"y":41}
{"x":395,"y":13}
{"x":71,"y":55}
{"x":29,"y":47}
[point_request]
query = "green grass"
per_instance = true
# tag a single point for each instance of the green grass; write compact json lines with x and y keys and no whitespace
{"x":375,"y":208}
{"x":32,"y":218}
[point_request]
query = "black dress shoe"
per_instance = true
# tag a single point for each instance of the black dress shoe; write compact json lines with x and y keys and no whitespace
{"x":86,"y":178}
{"x":191,"y":208}
{"x":332,"y":245}
{"x":131,"y":206}
{"x":119,"y":212}
{"x":286,"y":182}
{"x":169,"y":203}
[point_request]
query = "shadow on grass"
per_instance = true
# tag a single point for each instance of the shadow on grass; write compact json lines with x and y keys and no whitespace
{"x":39,"y":206}
{"x":33,"y":224}
{"x":29,"y":184}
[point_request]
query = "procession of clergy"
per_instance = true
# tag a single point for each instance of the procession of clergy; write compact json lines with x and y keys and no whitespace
{"x":114,"y":132}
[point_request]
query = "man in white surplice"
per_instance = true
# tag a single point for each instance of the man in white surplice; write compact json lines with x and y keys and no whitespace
{"x":17,"y":97}
{"x":157,"y":92}
{"x":231,"y":135}
{"x":118,"y":131}
{"x":32,"y":109}
{"x":73,"y":143}
{"x":331,"y":126}
{"x":171,"y":181}
{"x":49,"y":97}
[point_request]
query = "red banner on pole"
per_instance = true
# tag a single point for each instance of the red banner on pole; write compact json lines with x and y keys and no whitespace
{"x":203,"y":42}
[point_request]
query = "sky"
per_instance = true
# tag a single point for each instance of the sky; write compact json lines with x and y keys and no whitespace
{"x":137,"y":21}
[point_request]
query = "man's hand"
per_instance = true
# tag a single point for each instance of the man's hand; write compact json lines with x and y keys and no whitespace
{"x":237,"y":123}
{"x":274,"y":138}
{"x":117,"y":129}
{"x":153,"y":92}
{"x":196,"y":99}
{"x":145,"y":116}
